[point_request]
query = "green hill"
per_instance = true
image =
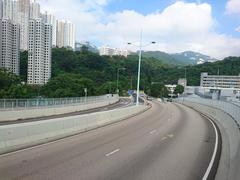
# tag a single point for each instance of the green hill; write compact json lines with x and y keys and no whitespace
{"x":184,"y":58}
{"x":74,"y":71}
{"x":164,"y":57}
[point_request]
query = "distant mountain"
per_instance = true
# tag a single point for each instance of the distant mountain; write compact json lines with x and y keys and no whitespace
{"x":191,"y":57}
{"x":164,"y":57}
{"x":184,"y":58}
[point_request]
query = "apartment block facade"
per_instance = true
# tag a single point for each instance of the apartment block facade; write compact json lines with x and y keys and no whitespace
{"x":39,"y":49}
{"x":9,"y":46}
{"x":65,"y":34}
{"x":51,"y":19}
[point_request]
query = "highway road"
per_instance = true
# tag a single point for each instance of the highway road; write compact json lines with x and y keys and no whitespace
{"x":167,"y":142}
{"x":121,"y":103}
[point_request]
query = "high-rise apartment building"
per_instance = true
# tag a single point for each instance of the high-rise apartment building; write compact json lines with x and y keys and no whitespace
{"x":60,"y":33}
{"x":65,"y":34}
{"x":24,"y":14}
{"x":1,"y":9}
{"x":8,"y":9}
{"x":39,"y":57}
{"x":51,"y":19}
{"x":69,"y":35}
{"x":16,"y":9}
{"x":9,"y":46}
{"x":35,"y":10}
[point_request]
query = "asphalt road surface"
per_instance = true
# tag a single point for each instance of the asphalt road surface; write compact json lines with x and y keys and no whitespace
{"x":121,"y":103}
{"x":167,"y":142}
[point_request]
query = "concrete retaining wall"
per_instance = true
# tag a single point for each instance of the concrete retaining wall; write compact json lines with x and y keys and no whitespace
{"x":13,"y":115}
{"x":229,"y":166}
{"x":18,"y":136}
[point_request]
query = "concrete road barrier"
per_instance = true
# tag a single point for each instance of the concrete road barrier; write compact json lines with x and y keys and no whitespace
{"x":18,"y":136}
{"x":229,"y":166}
{"x":13,"y":115}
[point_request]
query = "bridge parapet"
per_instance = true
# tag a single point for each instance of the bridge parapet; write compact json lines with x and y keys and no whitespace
{"x":227,"y":116}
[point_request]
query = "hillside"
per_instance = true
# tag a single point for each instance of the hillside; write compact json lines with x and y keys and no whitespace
{"x":163,"y":57}
{"x":184,"y":58}
{"x":193,"y":58}
{"x":74,"y":71}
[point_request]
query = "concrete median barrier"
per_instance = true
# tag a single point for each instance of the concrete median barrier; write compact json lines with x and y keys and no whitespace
{"x":13,"y":115}
{"x":18,"y":136}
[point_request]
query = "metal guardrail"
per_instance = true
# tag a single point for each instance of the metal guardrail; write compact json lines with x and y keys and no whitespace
{"x":15,"y":104}
{"x":228,"y":107}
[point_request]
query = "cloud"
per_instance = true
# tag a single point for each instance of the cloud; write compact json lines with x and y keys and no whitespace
{"x":237,"y":29}
{"x":233,"y":7}
{"x":179,"y":27}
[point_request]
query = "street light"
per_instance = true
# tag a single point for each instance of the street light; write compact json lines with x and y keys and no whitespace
{"x":85,"y":92}
{"x":140,"y":46}
{"x":118,"y":77}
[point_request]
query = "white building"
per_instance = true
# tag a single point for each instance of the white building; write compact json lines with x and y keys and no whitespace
{"x":9,"y":46}
{"x":65,"y":34}
{"x":125,"y":53}
{"x":7,"y":9}
{"x":1,"y":9}
{"x":16,"y":18}
{"x":35,"y":10}
{"x":182,"y":82}
{"x":60,"y":34}
{"x":24,"y":14}
{"x":219,"y":86}
{"x":220,"y":81}
{"x":39,"y":57}
{"x":108,"y":51}
{"x":51,"y":19}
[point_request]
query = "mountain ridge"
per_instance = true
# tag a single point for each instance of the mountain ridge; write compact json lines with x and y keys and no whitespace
{"x":183,"y":58}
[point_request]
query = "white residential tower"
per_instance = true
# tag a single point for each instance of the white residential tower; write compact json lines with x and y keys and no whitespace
{"x":9,"y":46}
{"x":39,"y":57}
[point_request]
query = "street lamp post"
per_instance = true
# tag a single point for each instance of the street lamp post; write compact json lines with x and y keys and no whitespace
{"x":140,"y":46}
{"x":118,"y":77}
{"x":85,"y":92}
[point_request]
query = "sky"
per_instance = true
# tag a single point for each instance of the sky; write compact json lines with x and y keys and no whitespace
{"x":211,"y":27}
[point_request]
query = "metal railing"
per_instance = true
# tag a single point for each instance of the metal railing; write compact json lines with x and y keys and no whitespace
{"x":228,"y":107}
{"x":15,"y":104}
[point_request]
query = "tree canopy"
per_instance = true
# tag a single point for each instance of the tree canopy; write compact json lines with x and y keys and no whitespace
{"x":74,"y":71}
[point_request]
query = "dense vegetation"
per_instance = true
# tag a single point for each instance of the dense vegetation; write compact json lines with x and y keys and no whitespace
{"x":74,"y":71}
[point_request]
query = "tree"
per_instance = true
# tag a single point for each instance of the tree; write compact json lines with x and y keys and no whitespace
{"x":179,"y":89}
{"x":23,"y":65}
{"x":74,"y":71}
{"x":68,"y":85}
{"x":158,"y":90}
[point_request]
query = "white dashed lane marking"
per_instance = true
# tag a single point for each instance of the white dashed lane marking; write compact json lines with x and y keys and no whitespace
{"x":113,"y":152}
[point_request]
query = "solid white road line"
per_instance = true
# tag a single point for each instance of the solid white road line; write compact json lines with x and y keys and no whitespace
{"x":214,"y":153}
{"x":113,"y":152}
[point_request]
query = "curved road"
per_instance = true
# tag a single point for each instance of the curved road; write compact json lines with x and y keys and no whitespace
{"x":168,"y":142}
